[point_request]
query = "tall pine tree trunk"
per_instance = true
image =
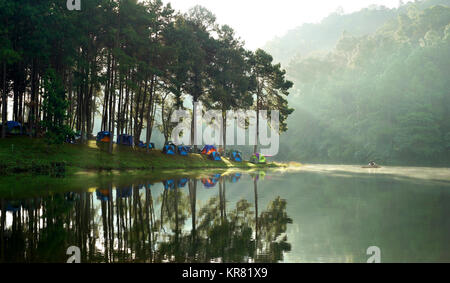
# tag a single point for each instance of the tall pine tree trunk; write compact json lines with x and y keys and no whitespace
{"x":224,"y":131}
{"x":149,"y":116}
{"x":113,"y":106}
{"x":257,"y":123}
{"x":4,"y":102}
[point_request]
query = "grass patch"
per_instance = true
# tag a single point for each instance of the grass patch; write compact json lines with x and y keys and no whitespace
{"x":25,"y":155}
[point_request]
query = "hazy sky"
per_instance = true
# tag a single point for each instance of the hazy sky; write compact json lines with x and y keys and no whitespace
{"x":258,"y":21}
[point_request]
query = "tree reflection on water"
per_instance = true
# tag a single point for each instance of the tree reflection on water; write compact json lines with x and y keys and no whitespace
{"x":138,"y":223}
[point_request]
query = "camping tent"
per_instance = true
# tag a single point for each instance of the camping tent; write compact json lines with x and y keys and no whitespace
{"x":13,"y":128}
{"x":215,"y":156}
{"x":169,"y":148}
{"x":183,"y":150}
{"x":211,"y":152}
{"x":143,"y":145}
{"x":258,"y":159}
{"x":235,"y":156}
{"x":103,"y":136}
{"x":208,"y":149}
{"x":125,"y":140}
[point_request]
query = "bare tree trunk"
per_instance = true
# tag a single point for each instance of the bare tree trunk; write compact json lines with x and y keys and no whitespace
{"x":194,"y":124}
{"x":106,"y":102}
{"x":149,"y":118}
{"x":255,"y":187}
{"x":32,"y":114}
{"x":224,"y":132}
{"x":16,"y":95}
{"x":113,"y":101}
{"x":4,"y":103}
{"x":137,"y":110}
{"x":141,"y":114}
{"x":119,"y":109}
{"x":257,"y":123}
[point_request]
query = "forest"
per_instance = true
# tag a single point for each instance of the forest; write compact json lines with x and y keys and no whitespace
{"x":378,"y":94}
{"x":369,"y":85}
{"x":130,"y":62}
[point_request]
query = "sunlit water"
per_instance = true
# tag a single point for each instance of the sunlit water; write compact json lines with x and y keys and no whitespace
{"x":316,"y":213}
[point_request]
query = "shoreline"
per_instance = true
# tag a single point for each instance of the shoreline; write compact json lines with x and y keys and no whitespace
{"x":26,"y":185}
{"x":22,"y":155}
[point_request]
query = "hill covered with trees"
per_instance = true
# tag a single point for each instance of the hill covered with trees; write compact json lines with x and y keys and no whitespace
{"x":382,"y":96}
{"x":322,"y":37}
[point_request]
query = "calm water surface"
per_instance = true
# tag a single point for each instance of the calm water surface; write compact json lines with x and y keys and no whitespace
{"x":317,"y":213}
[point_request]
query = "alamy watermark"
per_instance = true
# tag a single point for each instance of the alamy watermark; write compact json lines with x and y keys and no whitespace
{"x":75,"y":254}
{"x":74,"y":5}
{"x":375,"y":254}
{"x":240,"y":128}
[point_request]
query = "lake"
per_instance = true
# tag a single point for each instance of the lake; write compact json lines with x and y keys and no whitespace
{"x":315,"y":213}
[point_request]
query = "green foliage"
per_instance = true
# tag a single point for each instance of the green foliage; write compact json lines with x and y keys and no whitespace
{"x":382,"y":97}
{"x":55,"y":108}
{"x":272,"y":87}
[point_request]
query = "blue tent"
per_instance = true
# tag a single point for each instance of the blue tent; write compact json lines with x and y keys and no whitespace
{"x":13,"y":128}
{"x":103,"y":136}
{"x":211,"y":152}
{"x":215,"y":156}
{"x":169,"y":148}
{"x":236,"y":156}
{"x":183,"y":150}
{"x":125,"y":140}
{"x":143,"y":145}
{"x":182,"y":183}
{"x":208,"y":149}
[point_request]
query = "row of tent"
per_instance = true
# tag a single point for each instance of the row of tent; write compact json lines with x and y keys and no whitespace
{"x":171,"y":149}
{"x":126,"y":140}
{"x":209,"y":150}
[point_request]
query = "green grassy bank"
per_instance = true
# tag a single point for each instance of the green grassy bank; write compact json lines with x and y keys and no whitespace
{"x":22,"y":155}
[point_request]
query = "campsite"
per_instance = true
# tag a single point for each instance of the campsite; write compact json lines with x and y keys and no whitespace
{"x":224,"y":133}
{"x":24,"y":155}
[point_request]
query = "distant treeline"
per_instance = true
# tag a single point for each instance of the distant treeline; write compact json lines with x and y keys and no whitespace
{"x":132,"y":63}
{"x":384,"y":96}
